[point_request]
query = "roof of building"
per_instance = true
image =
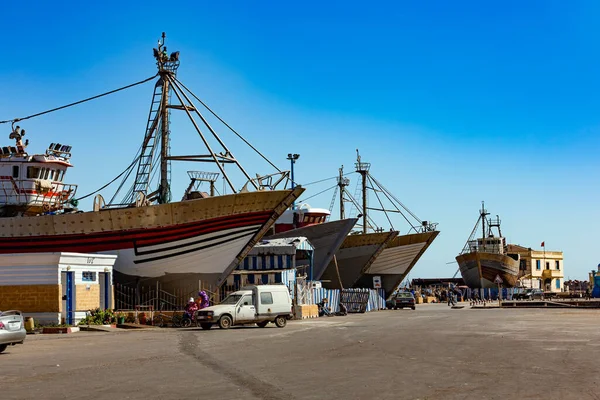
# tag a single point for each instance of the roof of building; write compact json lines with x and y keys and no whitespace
{"x":285,"y":246}
{"x":436,"y":281}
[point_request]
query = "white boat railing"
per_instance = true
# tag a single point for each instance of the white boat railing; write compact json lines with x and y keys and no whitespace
{"x":49,"y":196}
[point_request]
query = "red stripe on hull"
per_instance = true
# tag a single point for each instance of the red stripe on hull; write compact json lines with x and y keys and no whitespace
{"x":117,"y":240}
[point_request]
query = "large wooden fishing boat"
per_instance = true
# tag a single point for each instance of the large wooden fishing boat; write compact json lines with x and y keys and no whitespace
{"x":207,"y":235}
{"x":485,"y":259}
{"x":372,"y":252}
{"x":325,"y":237}
{"x":397,"y":259}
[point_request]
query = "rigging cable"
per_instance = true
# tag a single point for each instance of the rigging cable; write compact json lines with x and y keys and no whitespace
{"x":228,"y":126}
{"x":314,"y":195}
{"x":103,"y":187}
{"x":326,"y":179}
{"x":78,"y":102}
{"x":381,"y":203}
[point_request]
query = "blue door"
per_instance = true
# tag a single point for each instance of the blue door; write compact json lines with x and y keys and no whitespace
{"x":70,"y":298}
{"x":106,"y":290}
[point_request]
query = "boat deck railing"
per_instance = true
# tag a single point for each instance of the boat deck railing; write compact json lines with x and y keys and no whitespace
{"x":21,"y":192}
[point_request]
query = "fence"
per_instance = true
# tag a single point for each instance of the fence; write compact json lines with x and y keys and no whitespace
{"x":153,"y":296}
{"x":362,"y":300}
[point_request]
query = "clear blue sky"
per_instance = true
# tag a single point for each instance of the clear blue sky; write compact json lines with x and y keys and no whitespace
{"x":451,"y":102}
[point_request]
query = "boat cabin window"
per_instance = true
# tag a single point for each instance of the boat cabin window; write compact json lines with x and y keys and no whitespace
{"x":51,"y":176}
{"x":33,"y":172}
{"x":15,"y":171}
{"x":46,"y":171}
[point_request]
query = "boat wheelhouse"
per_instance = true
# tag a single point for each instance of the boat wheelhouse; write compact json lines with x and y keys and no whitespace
{"x":32,"y":184}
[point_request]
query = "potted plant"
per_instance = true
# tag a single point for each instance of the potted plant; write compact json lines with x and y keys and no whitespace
{"x":120,"y":318}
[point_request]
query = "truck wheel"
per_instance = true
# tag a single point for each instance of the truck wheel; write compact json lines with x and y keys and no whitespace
{"x":225,"y":322}
{"x":262,"y":324}
{"x":3,"y":347}
{"x":280,"y":322}
{"x":205,"y":325}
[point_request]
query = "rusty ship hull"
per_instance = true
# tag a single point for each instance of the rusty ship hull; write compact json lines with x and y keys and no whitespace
{"x":479,"y":269}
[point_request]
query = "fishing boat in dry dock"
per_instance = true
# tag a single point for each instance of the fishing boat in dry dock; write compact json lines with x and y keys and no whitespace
{"x":206,"y":235}
{"x":309,"y":222}
{"x":374,"y":252}
{"x":485,"y":258}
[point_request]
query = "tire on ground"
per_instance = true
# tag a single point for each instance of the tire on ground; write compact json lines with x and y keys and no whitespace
{"x":225,"y":322}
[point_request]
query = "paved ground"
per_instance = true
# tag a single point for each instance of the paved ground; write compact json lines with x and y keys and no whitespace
{"x":431,"y":353}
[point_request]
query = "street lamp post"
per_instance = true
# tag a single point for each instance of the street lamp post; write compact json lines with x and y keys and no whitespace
{"x":293,"y":158}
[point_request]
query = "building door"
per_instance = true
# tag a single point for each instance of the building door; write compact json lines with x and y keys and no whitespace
{"x":69,"y":297}
{"x":105,"y":290}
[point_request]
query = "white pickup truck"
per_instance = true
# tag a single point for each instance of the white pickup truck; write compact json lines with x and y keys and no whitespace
{"x":258,"y":305}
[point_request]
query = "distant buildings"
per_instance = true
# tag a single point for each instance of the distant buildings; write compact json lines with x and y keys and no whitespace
{"x":540,"y":269}
{"x":577,"y":286}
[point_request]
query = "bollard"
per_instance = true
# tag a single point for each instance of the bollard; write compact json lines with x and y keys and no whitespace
{"x":29,"y":324}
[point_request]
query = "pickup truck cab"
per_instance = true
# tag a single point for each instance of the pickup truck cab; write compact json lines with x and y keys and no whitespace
{"x":258,"y":305}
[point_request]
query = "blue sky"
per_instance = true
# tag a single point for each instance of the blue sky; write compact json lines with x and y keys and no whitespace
{"x":452,"y":102}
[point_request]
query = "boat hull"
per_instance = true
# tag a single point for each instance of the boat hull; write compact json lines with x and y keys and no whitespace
{"x":479,"y":270}
{"x":397,"y":260}
{"x":208,"y":236}
{"x":326,"y":239}
{"x":356,"y":254}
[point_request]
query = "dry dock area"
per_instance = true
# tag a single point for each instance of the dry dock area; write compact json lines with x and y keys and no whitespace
{"x":431,"y":353}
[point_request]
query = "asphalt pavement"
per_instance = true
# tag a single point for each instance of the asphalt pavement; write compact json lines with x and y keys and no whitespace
{"x":432,"y":353}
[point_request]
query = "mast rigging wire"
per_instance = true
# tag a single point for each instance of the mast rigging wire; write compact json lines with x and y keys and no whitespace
{"x":314,"y":195}
{"x":78,"y":102}
{"x":227,"y":125}
{"x":103,"y":187}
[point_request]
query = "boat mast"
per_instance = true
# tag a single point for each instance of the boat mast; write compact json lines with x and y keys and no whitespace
{"x":164,"y":189}
{"x":482,"y":215}
{"x":342,"y":183}
{"x":363,"y":169}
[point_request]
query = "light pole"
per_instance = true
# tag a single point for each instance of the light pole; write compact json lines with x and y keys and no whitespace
{"x":293,"y":158}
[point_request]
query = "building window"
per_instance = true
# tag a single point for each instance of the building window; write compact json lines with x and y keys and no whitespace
{"x":547,"y":264}
{"x":538,"y":265}
{"x":558,"y":283}
{"x":266,"y":298}
{"x":15,"y":171}
{"x":523,"y":265}
{"x":88,"y":276}
{"x":557,"y":264}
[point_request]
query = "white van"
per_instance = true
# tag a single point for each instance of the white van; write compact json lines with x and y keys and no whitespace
{"x":258,"y":305}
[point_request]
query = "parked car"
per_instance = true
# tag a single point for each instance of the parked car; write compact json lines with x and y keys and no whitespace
{"x":530,"y":294}
{"x":258,"y":305}
{"x":401,"y":300}
{"x":12,"y":329}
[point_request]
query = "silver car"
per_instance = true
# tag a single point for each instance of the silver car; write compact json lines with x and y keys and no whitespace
{"x":12,"y":329}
